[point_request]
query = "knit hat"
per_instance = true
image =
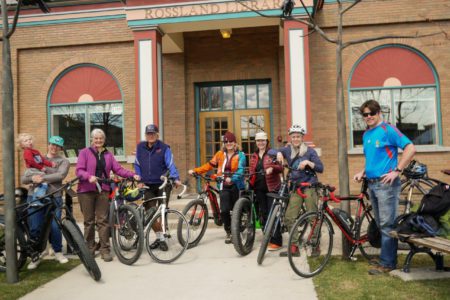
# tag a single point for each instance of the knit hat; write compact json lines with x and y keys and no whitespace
{"x":229,"y":137}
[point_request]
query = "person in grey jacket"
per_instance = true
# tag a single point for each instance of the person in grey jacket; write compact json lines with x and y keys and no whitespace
{"x":54,"y":178}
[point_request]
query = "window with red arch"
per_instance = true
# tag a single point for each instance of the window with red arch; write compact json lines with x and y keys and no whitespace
{"x":404,"y":83}
{"x":82,"y":98}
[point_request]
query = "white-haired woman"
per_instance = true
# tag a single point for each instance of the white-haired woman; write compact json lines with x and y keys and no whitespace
{"x":97,"y":162}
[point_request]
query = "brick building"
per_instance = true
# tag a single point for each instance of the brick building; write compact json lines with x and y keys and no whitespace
{"x":200,"y":67}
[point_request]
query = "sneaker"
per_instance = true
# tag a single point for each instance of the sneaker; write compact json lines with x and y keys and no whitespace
{"x":378,"y":270}
{"x":107,"y":257}
{"x":61,"y":258}
{"x":154,"y":245}
{"x":273,"y":247}
{"x":228,"y":239}
{"x":294,"y":252}
{"x":34,"y":264}
{"x":163,"y":246}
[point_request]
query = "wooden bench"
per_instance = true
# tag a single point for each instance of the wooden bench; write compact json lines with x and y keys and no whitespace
{"x":425,"y":245}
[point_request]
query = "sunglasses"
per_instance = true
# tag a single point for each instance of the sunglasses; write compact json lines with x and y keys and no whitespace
{"x":372,"y":113}
{"x":229,"y":142}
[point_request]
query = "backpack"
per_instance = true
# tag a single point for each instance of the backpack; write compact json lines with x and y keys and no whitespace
{"x":417,"y":225}
{"x":436,"y":202}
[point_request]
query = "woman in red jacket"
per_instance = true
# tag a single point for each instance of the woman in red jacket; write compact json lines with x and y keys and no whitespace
{"x":266,"y":180}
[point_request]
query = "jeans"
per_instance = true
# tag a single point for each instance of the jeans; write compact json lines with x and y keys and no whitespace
{"x":384,"y":198}
{"x":39,"y":191}
{"x":36,"y":221}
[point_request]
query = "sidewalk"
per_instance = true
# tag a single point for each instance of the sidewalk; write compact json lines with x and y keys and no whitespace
{"x":210,"y":270}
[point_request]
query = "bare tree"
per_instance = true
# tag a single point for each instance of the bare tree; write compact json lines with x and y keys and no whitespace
{"x":337,"y":39}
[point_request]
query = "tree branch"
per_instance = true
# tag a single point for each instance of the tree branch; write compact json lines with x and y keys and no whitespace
{"x":306,"y":10}
{"x":417,"y":35}
{"x":350,"y":7}
{"x":16,"y":18}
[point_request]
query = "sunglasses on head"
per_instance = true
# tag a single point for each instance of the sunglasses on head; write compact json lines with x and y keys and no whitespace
{"x":372,"y":113}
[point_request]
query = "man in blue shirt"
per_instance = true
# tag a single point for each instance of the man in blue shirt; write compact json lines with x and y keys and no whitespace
{"x":154,"y":159}
{"x":382,"y":168}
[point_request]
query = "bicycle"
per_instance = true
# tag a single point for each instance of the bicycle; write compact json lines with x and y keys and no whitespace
{"x":174,"y":226}
{"x":245,"y":219}
{"x":414,"y":185}
{"x":196,"y":211}
{"x":127,"y":231}
{"x":277,"y":211}
{"x":28,"y":247}
{"x":313,"y":233}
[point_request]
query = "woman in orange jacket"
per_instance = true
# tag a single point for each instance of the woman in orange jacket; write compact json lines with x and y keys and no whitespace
{"x":230,"y":164}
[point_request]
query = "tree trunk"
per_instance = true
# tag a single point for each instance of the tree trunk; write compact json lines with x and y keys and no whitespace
{"x":8,"y":154}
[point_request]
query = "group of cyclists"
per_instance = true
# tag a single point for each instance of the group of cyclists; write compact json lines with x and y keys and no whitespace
{"x":154,"y":158}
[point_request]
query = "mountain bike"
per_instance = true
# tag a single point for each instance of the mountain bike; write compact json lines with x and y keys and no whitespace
{"x":414,"y":185}
{"x":173,"y":225}
{"x":313,"y":233}
{"x":127,"y":230}
{"x":275,"y":220}
{"x":196,"y":211}
{"x":32,"y":248}
{"x":245,"y":219}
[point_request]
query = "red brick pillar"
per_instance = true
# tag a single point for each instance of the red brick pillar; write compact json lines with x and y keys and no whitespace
{"x":296,"y":61}
{"x":148,"y":55}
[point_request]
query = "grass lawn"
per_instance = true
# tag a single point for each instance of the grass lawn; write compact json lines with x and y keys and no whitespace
{"x":30,"y":280}
{"x":349,"y":280}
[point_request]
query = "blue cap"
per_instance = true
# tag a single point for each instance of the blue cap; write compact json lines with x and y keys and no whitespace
{"x":152,"y":128}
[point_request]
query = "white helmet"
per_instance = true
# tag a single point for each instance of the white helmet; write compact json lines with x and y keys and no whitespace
{"x":297,"y":129}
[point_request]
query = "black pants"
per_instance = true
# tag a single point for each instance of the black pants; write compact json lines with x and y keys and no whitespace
{"x":154,"y":191}
{"x":228,"y":196}
{"x":265,"y":203}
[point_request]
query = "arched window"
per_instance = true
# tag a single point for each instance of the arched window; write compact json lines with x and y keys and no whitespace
{"x":82,"y":98}
{"x":405,"y":84}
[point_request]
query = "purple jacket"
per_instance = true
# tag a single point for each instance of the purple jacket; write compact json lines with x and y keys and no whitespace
{"x":86,"y":165}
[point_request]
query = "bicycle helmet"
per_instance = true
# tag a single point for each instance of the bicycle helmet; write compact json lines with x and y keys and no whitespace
{"x":132,"y":194}
{"x":297,"y":129}
{"x":415,"y":170}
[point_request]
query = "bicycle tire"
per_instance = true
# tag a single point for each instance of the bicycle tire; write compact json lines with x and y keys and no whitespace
{"x":197,"y":215}
{"x":127,"y":234}
{"x":242,"y":226}
{"x":269,"y":230}
{"x":76,"y":241}
{"x":175,"y":248}
{"x":368,"y":250}
{"x":21,"y":241}
{"x":309,"y":262}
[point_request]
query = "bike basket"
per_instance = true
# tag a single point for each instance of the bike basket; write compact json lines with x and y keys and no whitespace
{"x":415,"y":170}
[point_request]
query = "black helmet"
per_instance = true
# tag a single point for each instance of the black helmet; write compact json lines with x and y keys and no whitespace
{"x":415,"y":170}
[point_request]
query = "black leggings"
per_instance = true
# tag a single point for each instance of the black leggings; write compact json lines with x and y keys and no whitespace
{"x":228,"y":196}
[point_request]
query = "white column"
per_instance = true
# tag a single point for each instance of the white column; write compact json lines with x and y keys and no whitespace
{"x":145,"y":85}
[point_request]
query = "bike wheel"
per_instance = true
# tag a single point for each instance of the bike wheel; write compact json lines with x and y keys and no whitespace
{"x":412,"y":194}
{"x":127,"y":234}
{"x":196,"y":214}
{"x":76,"y":241}
{"x":173,"y":248}
{"x":268,"y":233}
{"x":20,"y":242}
{"x":370,"y":233}
{"x":314,"y":239}
{"x":242,"y":226}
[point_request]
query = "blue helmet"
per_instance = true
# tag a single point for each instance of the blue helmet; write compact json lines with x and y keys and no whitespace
{"x":415,"y":170}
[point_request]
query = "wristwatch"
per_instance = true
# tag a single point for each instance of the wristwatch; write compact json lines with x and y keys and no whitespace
{"x":397,"y":169}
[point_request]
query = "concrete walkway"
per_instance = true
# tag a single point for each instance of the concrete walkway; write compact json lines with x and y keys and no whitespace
{"x":212,"y":270}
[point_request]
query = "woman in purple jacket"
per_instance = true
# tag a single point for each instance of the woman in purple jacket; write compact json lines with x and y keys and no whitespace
{"x":96,"y":162}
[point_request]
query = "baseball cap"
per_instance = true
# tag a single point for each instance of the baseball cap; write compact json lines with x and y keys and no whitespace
{"x":56,"y":140}
{"x":152,"y":128}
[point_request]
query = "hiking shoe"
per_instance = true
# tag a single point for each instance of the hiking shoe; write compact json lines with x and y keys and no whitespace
{"x":294,"y":252}
{"x":273,"y":247}
{"x":61,"y":258}
{"x":228,"y":239}
{"x":34,"y":264}
{"x":163,"y":246}
{"x":154,"y":245}
{"x":107,"y":257}
{"x":378,"y":270}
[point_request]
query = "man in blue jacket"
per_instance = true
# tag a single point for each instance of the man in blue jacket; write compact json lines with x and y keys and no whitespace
{"x":153,"y":160}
